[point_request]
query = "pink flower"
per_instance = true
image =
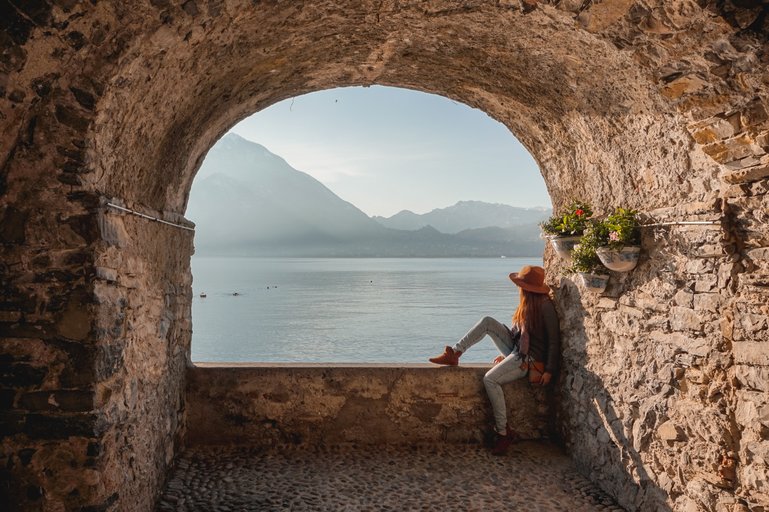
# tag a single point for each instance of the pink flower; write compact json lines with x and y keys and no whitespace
{"x":614,"y":236}
{"x":579,"y":212}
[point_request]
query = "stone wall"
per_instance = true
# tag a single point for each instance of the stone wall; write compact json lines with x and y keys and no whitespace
{"x":93,"y":401}
{"x":656,"y":105}
{"x":314,"y":405}
{"x":664,"y":398}
{"x":648,"y":408}
{"x":143,"y":288}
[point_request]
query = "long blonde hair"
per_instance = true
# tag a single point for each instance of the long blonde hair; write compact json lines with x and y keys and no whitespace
{"x":529,"y":312}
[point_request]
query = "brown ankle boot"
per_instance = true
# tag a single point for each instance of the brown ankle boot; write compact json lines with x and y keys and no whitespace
{"x":502,"y":443}
{"x":450,"y":357}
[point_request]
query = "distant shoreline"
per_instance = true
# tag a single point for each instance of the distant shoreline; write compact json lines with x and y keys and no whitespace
{"x":368,"y":257}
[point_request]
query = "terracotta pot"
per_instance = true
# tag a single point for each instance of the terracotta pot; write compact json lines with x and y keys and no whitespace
{"x":563,"y":245}
{"x":621,"y":260}
{"x":595,"y":283}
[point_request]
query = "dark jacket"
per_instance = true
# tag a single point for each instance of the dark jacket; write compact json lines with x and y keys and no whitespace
{"x":545,"y":342}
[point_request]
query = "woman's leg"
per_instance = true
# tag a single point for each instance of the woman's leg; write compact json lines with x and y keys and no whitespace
{"x":498,"y":333}
{"x":506,"y":371}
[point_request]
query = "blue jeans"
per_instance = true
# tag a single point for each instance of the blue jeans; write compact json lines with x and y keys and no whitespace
{"x":506,"y":371}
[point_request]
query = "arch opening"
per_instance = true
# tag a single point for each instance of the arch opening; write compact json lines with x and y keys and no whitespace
{"x":287,"y":270}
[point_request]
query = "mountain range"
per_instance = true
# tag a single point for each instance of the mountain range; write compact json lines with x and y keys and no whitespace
{"x":466,"y":215}
{"x":246,"y":201}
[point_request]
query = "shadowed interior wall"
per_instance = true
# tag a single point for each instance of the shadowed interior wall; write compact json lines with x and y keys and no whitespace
{"x":653,"y":105}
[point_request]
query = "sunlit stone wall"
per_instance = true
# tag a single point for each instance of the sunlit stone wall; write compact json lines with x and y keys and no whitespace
{"x":272,"y":405}
{"x":655,"y":105}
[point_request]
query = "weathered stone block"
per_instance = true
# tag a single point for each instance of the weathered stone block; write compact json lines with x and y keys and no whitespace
{"x":668,"y":431}
{"x":733,"y":149}
{"x":683,"y":319}
{"x":753,"y":377}
{"x":112,"y":230}
{"x":705,"y":283}
{"x":10,"y":316}
{"x":700,"y":347}
{"x":84,"y":98}
{"x":684,"y":298}
{"x":760,"y":254}
{"x":747,"y":352}
{"x":682,"y":86}
{"x":21,"y":375}
{"x":11,"y":422}
{"x":85,"y":226}
{"x":719,"y":129}
{"x":750,"y":174}
{"x":61,"y":426}
{"x":72,"y":118}
{"x":707,"y":302}
{"x":699,"y":266}
{"x":107,"y":274}
{"x":754,"y":114}
{"x":12,"y":225}
{"x":75,"y":321}
{"x":58,"y":400}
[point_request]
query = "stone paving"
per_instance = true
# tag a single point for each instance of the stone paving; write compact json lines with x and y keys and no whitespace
{"x":533,"y":476}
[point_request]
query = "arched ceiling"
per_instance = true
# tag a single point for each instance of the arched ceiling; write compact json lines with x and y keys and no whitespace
{"x":580,"y":104}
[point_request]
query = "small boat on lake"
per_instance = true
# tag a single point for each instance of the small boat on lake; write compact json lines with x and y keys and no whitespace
{"x":203,"y":295}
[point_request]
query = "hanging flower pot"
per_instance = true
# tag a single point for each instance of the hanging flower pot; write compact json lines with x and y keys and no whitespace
{"x":565,"y":228}
{"x":564,"y":245}
{"x":586,"y":264}
{"x":619,"y":260}
{"x":617,"y":240}
{"x":595,"y":283}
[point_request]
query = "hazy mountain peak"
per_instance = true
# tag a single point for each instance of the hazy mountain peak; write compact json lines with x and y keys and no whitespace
{"x":233,"y":141}
{"x":464,"y":215}
{"x":248,"y":201}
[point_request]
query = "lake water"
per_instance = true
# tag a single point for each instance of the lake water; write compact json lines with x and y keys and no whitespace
{"x":394,"y":310}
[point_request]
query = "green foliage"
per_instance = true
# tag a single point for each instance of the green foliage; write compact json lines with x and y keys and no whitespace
{"x":618,"y":230}
{"x":584,"y":259}
{"x":571,"y":221}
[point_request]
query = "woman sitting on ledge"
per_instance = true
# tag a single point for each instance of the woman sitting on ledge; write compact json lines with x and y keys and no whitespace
{"x":530,"y":347}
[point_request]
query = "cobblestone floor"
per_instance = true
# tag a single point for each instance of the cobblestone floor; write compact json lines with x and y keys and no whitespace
{"x":534,"y":476}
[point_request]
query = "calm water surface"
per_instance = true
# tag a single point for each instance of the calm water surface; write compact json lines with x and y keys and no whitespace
{"x":346,"y":310}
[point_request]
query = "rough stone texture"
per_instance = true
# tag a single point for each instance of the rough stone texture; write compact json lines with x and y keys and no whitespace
{"x":268,"y":405}
{"x":651,"y":104}
{"x":93,"y":405}
{"x":532,"y":476}
{"x":653,"y":374}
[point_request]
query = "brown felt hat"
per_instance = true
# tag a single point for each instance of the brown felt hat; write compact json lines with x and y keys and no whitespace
{"x":531,"y":279}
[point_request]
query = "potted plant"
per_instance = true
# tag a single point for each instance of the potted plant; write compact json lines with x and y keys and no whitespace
{"x":565,"y":228}
{"x":587,"y":265}
{"x":618,"y":239}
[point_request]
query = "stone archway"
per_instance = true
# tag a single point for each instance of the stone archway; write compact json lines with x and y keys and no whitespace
{"x":659,"y":106}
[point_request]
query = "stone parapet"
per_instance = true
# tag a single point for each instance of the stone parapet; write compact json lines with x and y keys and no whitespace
{"x":265,"y":405}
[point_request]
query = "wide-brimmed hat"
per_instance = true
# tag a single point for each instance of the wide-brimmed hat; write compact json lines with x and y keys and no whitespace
{"x":531,"y":278}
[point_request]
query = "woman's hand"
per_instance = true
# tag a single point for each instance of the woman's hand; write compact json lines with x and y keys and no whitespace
{"x":545,"y":379}
{"x":498,"y":359}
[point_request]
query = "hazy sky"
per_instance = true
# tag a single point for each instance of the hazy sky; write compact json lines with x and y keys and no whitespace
{"x":386,"y":149}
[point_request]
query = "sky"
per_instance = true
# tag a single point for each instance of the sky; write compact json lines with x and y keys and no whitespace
{"x":387,"y":149}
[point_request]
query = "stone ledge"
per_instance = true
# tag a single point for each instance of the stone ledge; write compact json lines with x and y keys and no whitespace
{"x":331,"y":365}
{"x":319,"y":404}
